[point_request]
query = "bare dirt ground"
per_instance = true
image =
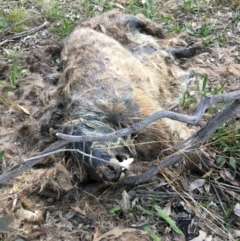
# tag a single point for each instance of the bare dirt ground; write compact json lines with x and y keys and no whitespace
{"x":205,"y":205}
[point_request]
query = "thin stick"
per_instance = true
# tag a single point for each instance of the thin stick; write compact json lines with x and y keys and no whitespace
{"x":28,"y":163}
{"x":219,"y":199}
{"x":24,"y":34}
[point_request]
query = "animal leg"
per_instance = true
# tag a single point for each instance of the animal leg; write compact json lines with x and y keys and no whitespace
{"x":188,"y":52}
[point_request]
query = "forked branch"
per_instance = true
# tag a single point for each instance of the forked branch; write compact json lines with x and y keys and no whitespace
{"x":198,"y":138}
{"x":203,"y":105}
{"x":193,"y":142}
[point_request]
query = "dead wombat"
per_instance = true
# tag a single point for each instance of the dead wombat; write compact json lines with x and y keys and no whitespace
{"x":116,"y":72}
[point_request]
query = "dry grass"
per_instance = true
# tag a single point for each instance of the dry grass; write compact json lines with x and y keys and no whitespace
{"x":69,"y":216}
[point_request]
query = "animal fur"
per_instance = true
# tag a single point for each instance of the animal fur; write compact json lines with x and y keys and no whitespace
{"x":116,"y":72}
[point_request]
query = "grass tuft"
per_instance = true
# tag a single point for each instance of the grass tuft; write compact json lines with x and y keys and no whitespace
{"x":17,"y":19}
{"x":226,"y":142}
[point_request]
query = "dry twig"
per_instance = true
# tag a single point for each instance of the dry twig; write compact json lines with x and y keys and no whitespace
{"x":23,"y":34}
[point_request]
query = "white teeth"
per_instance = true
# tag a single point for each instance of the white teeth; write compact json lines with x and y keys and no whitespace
{"x":126,"y":163}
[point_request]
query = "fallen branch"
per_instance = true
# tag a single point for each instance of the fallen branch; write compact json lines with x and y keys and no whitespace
{"x":203,"y":105}
{"x":23,"y":34}
{"x":28,"y":163}
{"x":193,"y":142}
{"x":201,"y":136}
{"x":161,"y":195}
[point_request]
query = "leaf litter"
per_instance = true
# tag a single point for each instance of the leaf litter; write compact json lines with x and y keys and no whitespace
{"x":46,"y":218}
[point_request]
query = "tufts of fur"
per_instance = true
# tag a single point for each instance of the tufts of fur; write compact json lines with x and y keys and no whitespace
{"x":115,"y":73}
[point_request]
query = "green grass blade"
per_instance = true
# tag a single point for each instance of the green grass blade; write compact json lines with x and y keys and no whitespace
{"x":13,"y":74}
{"x":1,"y":155}
{"x":151,"y":233}
{"x":154,"y":199}
{"x":205,"y":80}
{"x":166,"y":217}
{"x":115,"y":209}
{"x":139,"y":207}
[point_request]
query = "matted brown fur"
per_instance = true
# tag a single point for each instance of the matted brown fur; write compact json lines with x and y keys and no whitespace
{"x":117,"y":72}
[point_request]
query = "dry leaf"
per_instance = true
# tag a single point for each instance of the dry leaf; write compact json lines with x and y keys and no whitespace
{"x":125,"y":201}
{"x":186,"y":207}
{"x":168,"y":208}
{"x":66,"y":223}
{"x":78,"y":210}
{"x":237,"y":209}
{"x":14,"y":202}
{"x":116,"y":5}
{"x":70,"y":214}
{"x":201,"y":237}
{"x":8,"y":223}
{"x":235,"y":233}
{"x":233,"y":194}
{"x":117,"y":232}
{"x":24,"y":214}
{"x":95,"y":235}
{"x":34,"y":235}
{"x":19,"y":107}
{"x":196,"y":184}
{"x":207,"y":174}
{"x":208,"y":238}
{"x":229,"y":177}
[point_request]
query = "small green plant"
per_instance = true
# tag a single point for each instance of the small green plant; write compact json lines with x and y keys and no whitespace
{"x":14,"y":77}
{"x":154,"y":210}
{"x":131,"y":8}
{"x":192,"y":6}
{"x":13,"y":53}
{"x":17,"y":19}
{"x":176,"y":28}
{"x":4,"y":100}
{"x":151,"y":233}
{"x":220,"y":90}
{"x":87,"y":6}
{"x":115,"y":209}
{"x":52,"y":11}
{"x":166,"y":217}
{"x":202,"y":31}
{"x":205,"y":29}
{"x":149,"y":8}
{"x":3,"y":22}
{"x":1,"y":155}
{"x":145,"y":7}
{"x":93,"y":7}
{"x":188,"y":5}
{"x":202,"y":89}
{"x":168,"y":22}
{"x":65,"y":26}
{"x":208,"y":42}
{"x":222,"y":38}
{"x":187,"y":99}
{"x":227,"y":140}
